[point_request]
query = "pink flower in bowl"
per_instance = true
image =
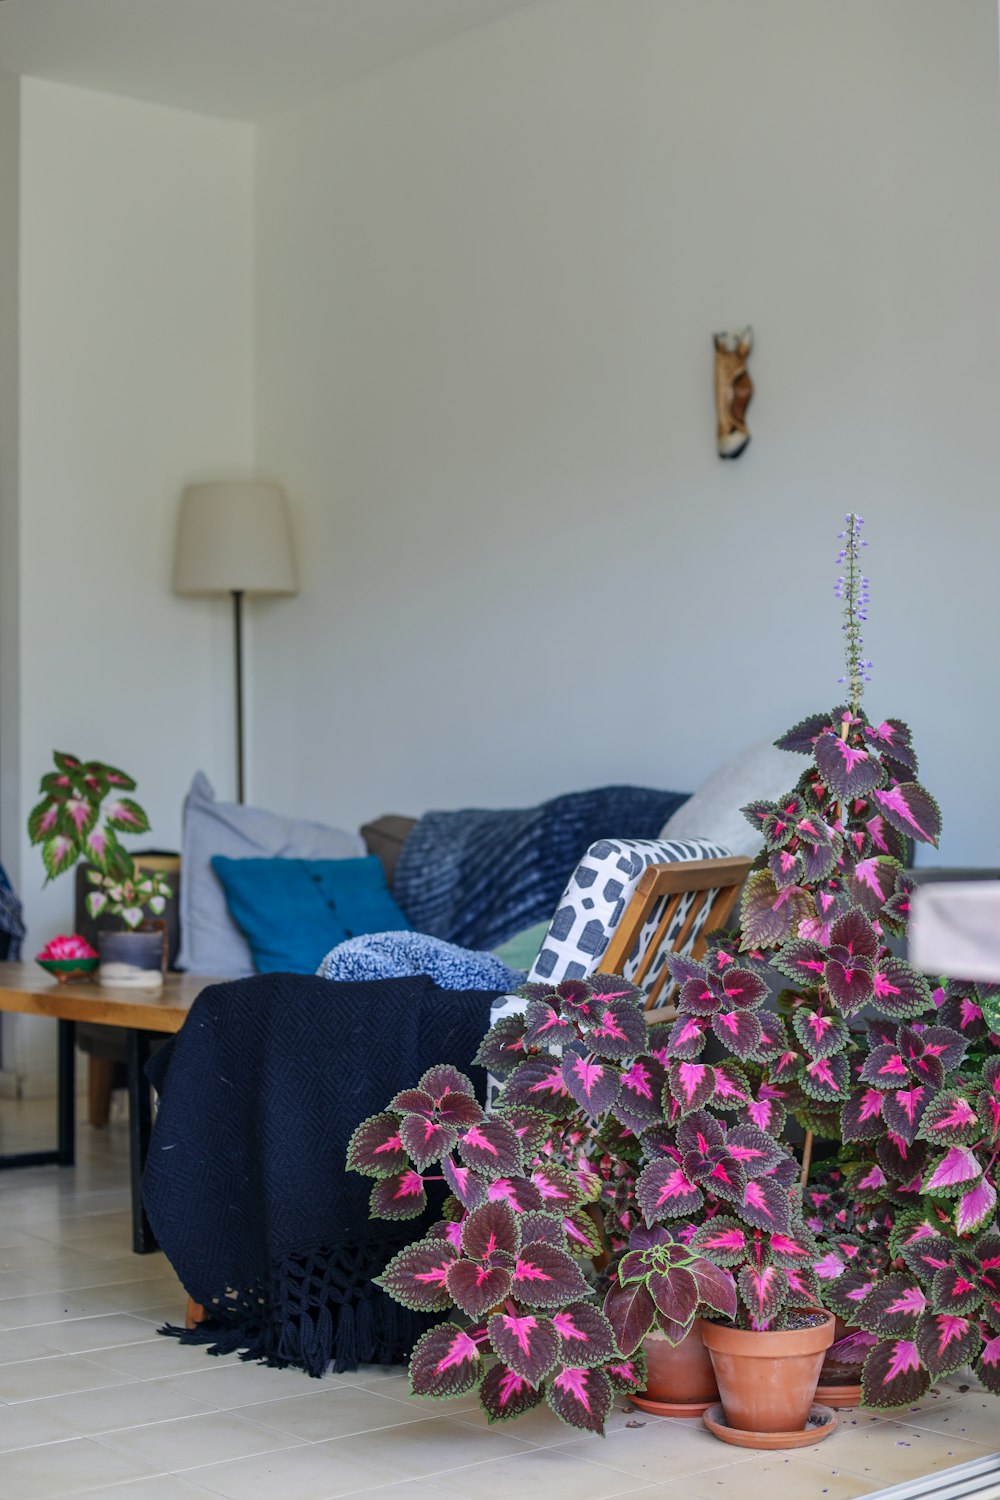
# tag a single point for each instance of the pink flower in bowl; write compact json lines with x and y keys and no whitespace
{"x":63,"y":947}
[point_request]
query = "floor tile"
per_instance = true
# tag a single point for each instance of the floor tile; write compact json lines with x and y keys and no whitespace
{"x":778,"y":1475}
{"x":340,"y":1411}
{"x":89,"y":1412}
{"x":189,"y":1442}
{"x":54,"y":1376}
{"x":416,"y":1450}
{"x":78,"y":1335}
{"x":539,"y":1474}
{"x":160,"y":1487}
{"x":27,"y":1425}
{"x":226,"y":1385}
{"x":314,"y":1471}
{"x":58,"y":1469}
{"x":974,"y":1418}
{"x":155,"y":1357}
{"x":656,"y":1452}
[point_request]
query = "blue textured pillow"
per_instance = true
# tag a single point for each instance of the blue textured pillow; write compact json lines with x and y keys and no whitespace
{"x":293,"y":911}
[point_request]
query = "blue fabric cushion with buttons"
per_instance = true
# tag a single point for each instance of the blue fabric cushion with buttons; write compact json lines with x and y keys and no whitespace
{"x":293,"y":911}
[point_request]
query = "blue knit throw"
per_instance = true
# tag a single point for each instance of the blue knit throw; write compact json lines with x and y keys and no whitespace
{"x":393,"y":955}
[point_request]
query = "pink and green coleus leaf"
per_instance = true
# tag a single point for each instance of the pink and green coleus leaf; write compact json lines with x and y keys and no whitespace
{"x":754,"y":1149}
{"x":688,"y":1036}
{"x":642,"y":1091}
{"x":795,"y":1249}
{"x":445,"y":1362}
{"x":586,"y":1336}
{"x":802,"y":736}
{"x":559,"y":1189}
{"x":59,"y":853}
{"x":901,"y":1160}
{"x":820,"y":1033}
{"x":956,"y":1288}
{"x":903,"y":1110}
{"x":526,"y":1342}
{"x":946,"y":1342}
{"x":802,"y":961}
{"x":627,"y":1375}
{"x":819,"y":860}
{"x":739,"y":1031}
{"x":581,"y":1397}
{"x":894,"y":738}
{"x":987,"y":1367}
{"x":949,"y":1120}
{"x":716,"y":1288}
{"x":691,"y":1084}
{"x":101,"y":848}
{"x":846,"y":1295}
{"x":544,"y":1024}
{"x":492,"y":1147}
{"x":764,"y":1292}
{"x":531,"y":1126}
{"x":872,"y":882}
{"x":911,"y":810}
{"x":401,"y":1196}
{"x":475,"y":1288}
{"x":518,"y":1193}
{"x":893,"y":1374}
{"x":417,"y":1276}
{"x":631,"y":1312}
{"x":490,"y":1228}
{"x":125,"y":815}
{"x":502,"y":1048}
{"x":504,"y":1395}
{"x":723,"y":1241}
{"x":976,"y":1207}
{"x":664,"y":1191}
{"x":777,"y":825}
{"x":469,"y":1189}
{"x":546,"y":1277}
{"x":850,"y":982}
{"x":899,"y":991}
{"x":773,"y":1037}
{"x":617,"y":1030}
{"x":894,"y":1307}
{"x":582,"y":1237}
{"x":42,"y":820}
{"x":952,"y":1172}
{"x":826,"y":1079}
{"x":539,"y":1082}
{"x":443,"y":1080}
{"x":765,"y":1205}
{"x":769,"y":917}
{"x":375,"y":1149}
{"x":594,"y":1084}
{"x":425,"y":1140}
{"x":847,"y":772}
{"x":926,"y":1252}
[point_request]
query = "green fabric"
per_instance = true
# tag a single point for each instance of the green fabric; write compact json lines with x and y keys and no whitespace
{"x":521,"y":950}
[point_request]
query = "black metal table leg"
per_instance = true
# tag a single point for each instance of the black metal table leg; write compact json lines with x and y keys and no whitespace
{"x":140,"y":1119}
{"x":64,"y":1154}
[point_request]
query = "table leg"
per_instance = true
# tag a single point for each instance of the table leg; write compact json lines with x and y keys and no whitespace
{"x":140,"y":1118}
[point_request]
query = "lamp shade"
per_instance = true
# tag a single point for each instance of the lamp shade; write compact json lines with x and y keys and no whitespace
{"x":234,"y":538}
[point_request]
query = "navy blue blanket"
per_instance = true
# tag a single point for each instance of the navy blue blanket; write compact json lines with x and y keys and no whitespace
{"x":478,"y":876}
{"x":246,"y":1186}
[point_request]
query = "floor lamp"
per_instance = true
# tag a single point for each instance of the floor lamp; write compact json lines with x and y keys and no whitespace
{"x":235,"y":539}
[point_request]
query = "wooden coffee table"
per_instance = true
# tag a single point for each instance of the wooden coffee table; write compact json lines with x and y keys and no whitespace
{"x":145,"y":1015}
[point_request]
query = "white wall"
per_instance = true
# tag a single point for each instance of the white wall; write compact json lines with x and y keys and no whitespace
{"x":487,"y":282}
{"x":135,"y":376}
{"x":10,"y":182}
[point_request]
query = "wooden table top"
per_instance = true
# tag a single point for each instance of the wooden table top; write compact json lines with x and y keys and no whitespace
{"x":26,"y":988}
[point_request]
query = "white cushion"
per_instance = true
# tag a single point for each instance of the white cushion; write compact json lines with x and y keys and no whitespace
{"x":760,"y":772}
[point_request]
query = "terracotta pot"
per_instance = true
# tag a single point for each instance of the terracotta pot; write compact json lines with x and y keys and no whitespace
{"x":680,"y":1375}
{"x":767,"y":1381}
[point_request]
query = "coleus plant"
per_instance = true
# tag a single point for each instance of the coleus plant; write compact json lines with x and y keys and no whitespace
{"x":507,"y":1256}
{"x":83,"y":810}
{"x":661,"y":1285}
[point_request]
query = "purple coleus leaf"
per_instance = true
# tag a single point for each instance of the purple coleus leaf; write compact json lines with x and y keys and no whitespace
{"x":769,"y":916}
{"x":723,"y":1241}
{"x":739,"y":1031}
{"x":425,"y":1140}
{"x":847,"y":1294}
{"x":802,"y":961}
{"x":401,"y":1196}
{"x":675,"y":1292}
{"x":375,"y":1148}
{"x":846,"y":771}
{"x":445,"y":1362}
{"x":491,"y":1147}
{"x":893,"y":1307}
{"x":526,"y":1342}
{"x":899,"y":991}
{"x":502,"y":1048}
{"x":764,"y":1291}
{"x":850,"y":983}
{"x":773,"y":1037}
{"x":581,"y":1397}
{"x":546,"y":1277}
{"x":544,"y":1024}
{"x":688,"y":1036}
{"x":802,"y":736}
{"x":517,"y":1192}
{"x":476,"y":1288}
{"x":558,"y":1187}
{"x":413,"y":1101}
{"x":586,"y":1336}
{"x":955,"y":1287}
{"x":951,"y":1172}
{"x":911,"y":810}
{"x":755,"y":1151}
{"x":631,"y":1312}
{"x":539,"y":1082}
{"x":821,"y":1034}
{"x":442,"y":1080}
{"x":872,"y":882}
{"x":777,"y":825}
{"x":469,"y":1189}
{"x":617,"y":1030}
{"x":595,"y":1085}
{"x":417,"y":1276}
{"x":976,"y":1207}
{"x":925,"y":1252}
{"x":664,"y":1191}
{"x":903,"y":1110}
{"x":946,"y":1342}
{"x":640,"y":1099}
{"x":692,"y":1084}
{"x":949,"y":1120}
{"x":988,"y":1365}
{"x":716,"y":1288}
{"x":895,"y":738}
{"x":893,"y":1374}
{"x":489,"y":1229}
{"x":826,"y":1079}
{"x":504,"y":1395}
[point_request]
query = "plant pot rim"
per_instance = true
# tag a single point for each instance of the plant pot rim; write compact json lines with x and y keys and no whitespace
{"x":769,"y":1343}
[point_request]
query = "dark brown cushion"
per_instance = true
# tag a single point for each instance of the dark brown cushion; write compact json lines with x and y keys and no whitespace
{"x":385,"y":837}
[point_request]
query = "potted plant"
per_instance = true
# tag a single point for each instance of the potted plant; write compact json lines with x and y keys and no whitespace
{"x":82,"y":811}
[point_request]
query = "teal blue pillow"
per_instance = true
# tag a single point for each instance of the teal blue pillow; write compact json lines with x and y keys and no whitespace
{"x":293,"y":911}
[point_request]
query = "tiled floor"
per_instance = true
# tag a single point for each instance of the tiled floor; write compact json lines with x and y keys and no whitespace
{"x":93,"y":1402}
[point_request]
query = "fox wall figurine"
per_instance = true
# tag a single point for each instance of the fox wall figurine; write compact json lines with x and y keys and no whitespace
{"x":733,"y":390}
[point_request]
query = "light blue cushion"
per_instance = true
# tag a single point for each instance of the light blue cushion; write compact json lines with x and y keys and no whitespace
{"x":211,"y":942}
{"x":293,"y":911}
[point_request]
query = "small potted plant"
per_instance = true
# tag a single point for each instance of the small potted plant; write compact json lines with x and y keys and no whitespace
{"x":82,"y":811}
{"x":67,"y":957}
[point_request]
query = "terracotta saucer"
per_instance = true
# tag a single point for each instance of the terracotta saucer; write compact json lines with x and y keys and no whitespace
{"x":823,"y":1416}
{"x":843,"y":1397}
{"x":670,"y":1408}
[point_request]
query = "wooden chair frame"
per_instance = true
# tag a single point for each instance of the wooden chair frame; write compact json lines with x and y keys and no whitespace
{"x":715,"y":885}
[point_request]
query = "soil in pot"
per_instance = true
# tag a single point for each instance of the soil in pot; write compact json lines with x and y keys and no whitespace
{"x":132,"y":960}
{"x":768,"y":1381}
{"x":680,"y":1380}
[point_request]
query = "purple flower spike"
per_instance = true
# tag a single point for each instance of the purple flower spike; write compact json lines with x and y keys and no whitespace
{"x":853,"y":588}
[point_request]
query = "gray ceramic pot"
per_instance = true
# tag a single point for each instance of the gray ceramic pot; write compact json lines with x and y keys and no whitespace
{"x":131,"y":959}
